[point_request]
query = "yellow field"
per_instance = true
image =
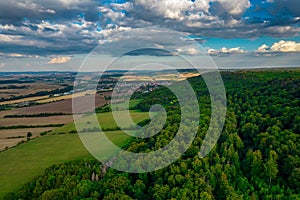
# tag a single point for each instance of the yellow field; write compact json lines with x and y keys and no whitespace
{"x":53,"y":99}
{"x":29,"y":89}
{"x":10,"y":142}
{"x":4,"y":134}
{"x":6,"y":139}
{"x":161,"y":77}
{"x":24,"y":100}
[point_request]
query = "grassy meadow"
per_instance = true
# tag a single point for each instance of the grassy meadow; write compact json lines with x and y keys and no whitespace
{"x":23,"y":162}
{"x":106,"y":120}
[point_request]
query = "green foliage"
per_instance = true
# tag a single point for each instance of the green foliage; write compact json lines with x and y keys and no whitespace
{"x":44,"y":133}
{"x":29,"y":134}
{"x":30,"y":126}
{"x":34,"y":115}
{"x":103,"y":109}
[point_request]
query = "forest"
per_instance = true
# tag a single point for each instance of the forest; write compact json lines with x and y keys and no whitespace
{"x":256,"y":157}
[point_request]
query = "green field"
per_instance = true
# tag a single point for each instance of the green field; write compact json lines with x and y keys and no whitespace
{"x":106,"y":121}
{"x":20,"y":164}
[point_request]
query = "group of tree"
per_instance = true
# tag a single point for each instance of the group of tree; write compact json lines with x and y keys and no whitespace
{"x":35,"y":115}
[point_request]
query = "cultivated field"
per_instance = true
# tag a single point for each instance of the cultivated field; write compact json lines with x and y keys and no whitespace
{"x":64,"y":106}
{"x":160,"y":77}
{"x":9,"y":138}
{"x":24,"y":100}
{"x":53,"y":99}
{"x":28,"y":89}
{"x":61,"y":119}
{"x":7,"y":143}
{"x":23,"y":132}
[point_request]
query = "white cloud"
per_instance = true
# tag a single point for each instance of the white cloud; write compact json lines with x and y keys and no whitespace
{"x":59,"y":60}
{"x":224,"y":50}
{"x":171,"y":9}
{"x":180,"y":9}
{"x":188,"y":51}
{"x":21,"y":41}
{"x":148,"y":38}
{"x":280,"y":47}
{"x":9,"y":38}
{"x":49,"y":11}
{"x":213,"y":18}
{"x":17,"y":55}
{"x":233,"y":7}
{"x":285,"y":46}
{"x":263,"y":48}
{"x":279,"y":31}
{"x":7,"y":27}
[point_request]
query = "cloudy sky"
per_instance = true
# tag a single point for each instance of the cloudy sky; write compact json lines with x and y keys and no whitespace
{"x":58,"y":34}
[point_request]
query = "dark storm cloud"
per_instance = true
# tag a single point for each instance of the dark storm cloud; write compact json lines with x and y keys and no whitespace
{"x":149,"y":52}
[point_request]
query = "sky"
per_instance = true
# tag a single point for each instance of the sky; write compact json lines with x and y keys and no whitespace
{"x":50,"y":35}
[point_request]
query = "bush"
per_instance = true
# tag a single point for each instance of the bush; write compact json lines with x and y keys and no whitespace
{"x":44,"y":133}
{"x":29,"y":134}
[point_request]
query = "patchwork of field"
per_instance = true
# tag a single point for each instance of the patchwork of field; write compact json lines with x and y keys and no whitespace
{"x":26,"y":89}
{"x":20,"y":162}
{"x":11,"y":137}
{"x":53,"y":99}
{"x":64,"y":106}
{"x":24,"y":100}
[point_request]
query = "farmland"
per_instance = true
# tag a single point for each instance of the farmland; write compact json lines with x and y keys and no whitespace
{"x":64,"y":106}
{"x":24,"y":110}
{"x":12,"y":137}
{"x":70,"y":96}
{"x":24,"y":100}
{"x":24,"y":161}
{"x":35,"y":102}
{"x":23,"y":132}
{"x":36,"y":155}
{"x":8,"y":90}
{"x":63,"y":119}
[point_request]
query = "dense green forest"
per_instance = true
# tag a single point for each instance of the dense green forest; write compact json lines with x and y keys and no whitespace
{"x":256,"y":157}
